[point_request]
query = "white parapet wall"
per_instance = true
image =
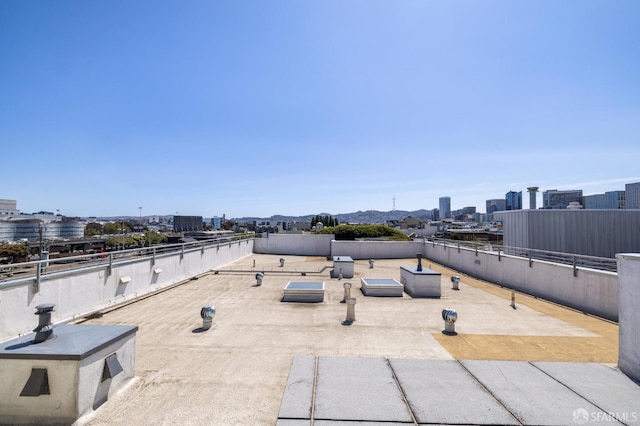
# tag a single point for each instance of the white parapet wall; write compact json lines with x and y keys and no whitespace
{"x":295,"y":244}
{"x":82,"y":290}
{"x":377,"y":249}
{"x":629,"y":278}
{"x":591,"y":291}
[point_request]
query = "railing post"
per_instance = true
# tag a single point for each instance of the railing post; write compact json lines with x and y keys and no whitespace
{"x":499,"y":256}
{"x":458,"y":246}
{"x":476,"y":250}
{"x":110,"y":267}
{"x":153,"y":256}
{"x":182,"y":252}
{"x":575,"y":267}
{"x":530,"y":261}
{"x":36,"y":284}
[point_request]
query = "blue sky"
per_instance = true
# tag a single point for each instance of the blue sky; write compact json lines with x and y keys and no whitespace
{"x":256,"y":108}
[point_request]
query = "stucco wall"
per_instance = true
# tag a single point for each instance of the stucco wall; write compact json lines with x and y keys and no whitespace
{"x":377,"y":249}
{"x":83,"y":290}
{"x":295,"y":244}
{"x":592,"y":291}
{"x":629,"y":353}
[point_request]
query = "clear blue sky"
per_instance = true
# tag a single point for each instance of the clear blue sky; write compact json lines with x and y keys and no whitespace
{"x":256,"y":108}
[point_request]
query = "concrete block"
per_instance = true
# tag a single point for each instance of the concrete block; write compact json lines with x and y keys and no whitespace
{"x":298,"y":395}
{"x":358,"y":389}
{"x":444,"y":392}
{"x":529,"y":394}
{"x":617,"y":396}
{"x":425,"y":283}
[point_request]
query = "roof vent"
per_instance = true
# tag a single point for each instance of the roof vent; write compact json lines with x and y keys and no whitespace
{"x":44,"y":330}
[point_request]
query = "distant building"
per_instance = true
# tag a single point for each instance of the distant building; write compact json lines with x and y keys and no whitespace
{"x":17,"y":229}
{"x":608,"y":200}
{"x":187,"y":223}
{"x":444,"y":211}
{"x":8,"y":208}
{"x":216,"y":222}
{"x":464,"y":214}
{"x":496,"y":205}
{"x":513,"y":200}
{"x":632,"y":195}
{"x":554,"y":199}
{"x":600,"y":233}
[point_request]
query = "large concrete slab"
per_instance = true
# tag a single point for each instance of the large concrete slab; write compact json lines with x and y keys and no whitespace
{"x":358,"y":389}
{"x":612,"y":391}
{"x":298,"y":394}
{"x":532,"y":396}
{"x":444,"y":392}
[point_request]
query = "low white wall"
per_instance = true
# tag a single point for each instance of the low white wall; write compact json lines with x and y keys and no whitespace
{"x":629,"y":353}
{"x":377,"y":249}
{"x":83,"y":290}
{"x":295,"y":244}
{"x":591,"y":291}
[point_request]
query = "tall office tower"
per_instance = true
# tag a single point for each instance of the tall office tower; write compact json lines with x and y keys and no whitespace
{"x":632,"y":195}
{"x":608,"y":200}
{"x":445,"y":207}
{"x":533,"y":191}
{"x":513,"y":200}
{"x":496,"y":205}
{"x":554,"y":199}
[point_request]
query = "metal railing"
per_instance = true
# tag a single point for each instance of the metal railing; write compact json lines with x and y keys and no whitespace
{"x":15,"y":273}
{"x":575,"y":260}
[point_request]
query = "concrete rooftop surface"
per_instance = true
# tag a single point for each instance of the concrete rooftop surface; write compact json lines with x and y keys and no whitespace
{"x":268,"y":362}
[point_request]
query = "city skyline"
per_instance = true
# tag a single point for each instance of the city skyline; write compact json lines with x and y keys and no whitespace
{"x":259,"y":109}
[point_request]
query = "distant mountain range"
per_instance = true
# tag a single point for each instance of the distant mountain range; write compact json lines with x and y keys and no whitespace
{"x":368,"y":216}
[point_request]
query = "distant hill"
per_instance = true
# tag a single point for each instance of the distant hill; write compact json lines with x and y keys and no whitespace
{"x":368,"y":216}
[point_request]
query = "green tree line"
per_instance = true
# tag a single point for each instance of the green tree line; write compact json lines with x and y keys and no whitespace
{"x":353,"y":232}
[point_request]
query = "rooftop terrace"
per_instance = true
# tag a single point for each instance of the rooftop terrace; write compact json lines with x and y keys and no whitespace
{"x":249,"y":368}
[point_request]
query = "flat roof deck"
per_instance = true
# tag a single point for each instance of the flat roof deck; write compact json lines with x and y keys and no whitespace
{"x":237,"y":372}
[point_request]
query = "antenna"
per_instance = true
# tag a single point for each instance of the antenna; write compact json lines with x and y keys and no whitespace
{"x":394,"y":203}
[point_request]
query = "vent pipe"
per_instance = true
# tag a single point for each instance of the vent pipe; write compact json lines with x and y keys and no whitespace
{"x":44,"y":330}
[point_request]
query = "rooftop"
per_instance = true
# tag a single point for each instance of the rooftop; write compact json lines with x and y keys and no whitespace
{"x":262,"y":355}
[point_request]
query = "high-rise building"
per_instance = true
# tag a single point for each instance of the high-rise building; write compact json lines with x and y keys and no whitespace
{"x":632,"y":195}
{"x":496,"y":205}
{"x":513,"y":200}
{"x":608,"y":200}
{"x":445,"y":208}
{"x":554,"y":199}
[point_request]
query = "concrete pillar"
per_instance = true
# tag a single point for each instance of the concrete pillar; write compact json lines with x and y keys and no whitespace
{"x":629,"y":314}
{"x":351,"y":311}
{"x":533,"y":191}
{"x":347,"y":292}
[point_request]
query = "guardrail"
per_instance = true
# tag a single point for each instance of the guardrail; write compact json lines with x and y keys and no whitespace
{"x":575,"y":260}
{"x":38,"y":270}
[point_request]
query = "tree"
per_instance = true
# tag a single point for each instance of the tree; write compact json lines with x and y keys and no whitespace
{"x":93,"y":228}
{"x":114,"y":228}
{"x":352,"y":232}
{"x":13,"y":252}
{"x":325,"y":220}
{"x":153,"y":237}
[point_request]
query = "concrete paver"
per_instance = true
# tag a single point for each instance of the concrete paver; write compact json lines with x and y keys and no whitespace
{"x":444,"y":392}
{"x":358,"y":389}
{"x":533,"y":397}
{"x":298,"y":395}
{"x":615,"y":395}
